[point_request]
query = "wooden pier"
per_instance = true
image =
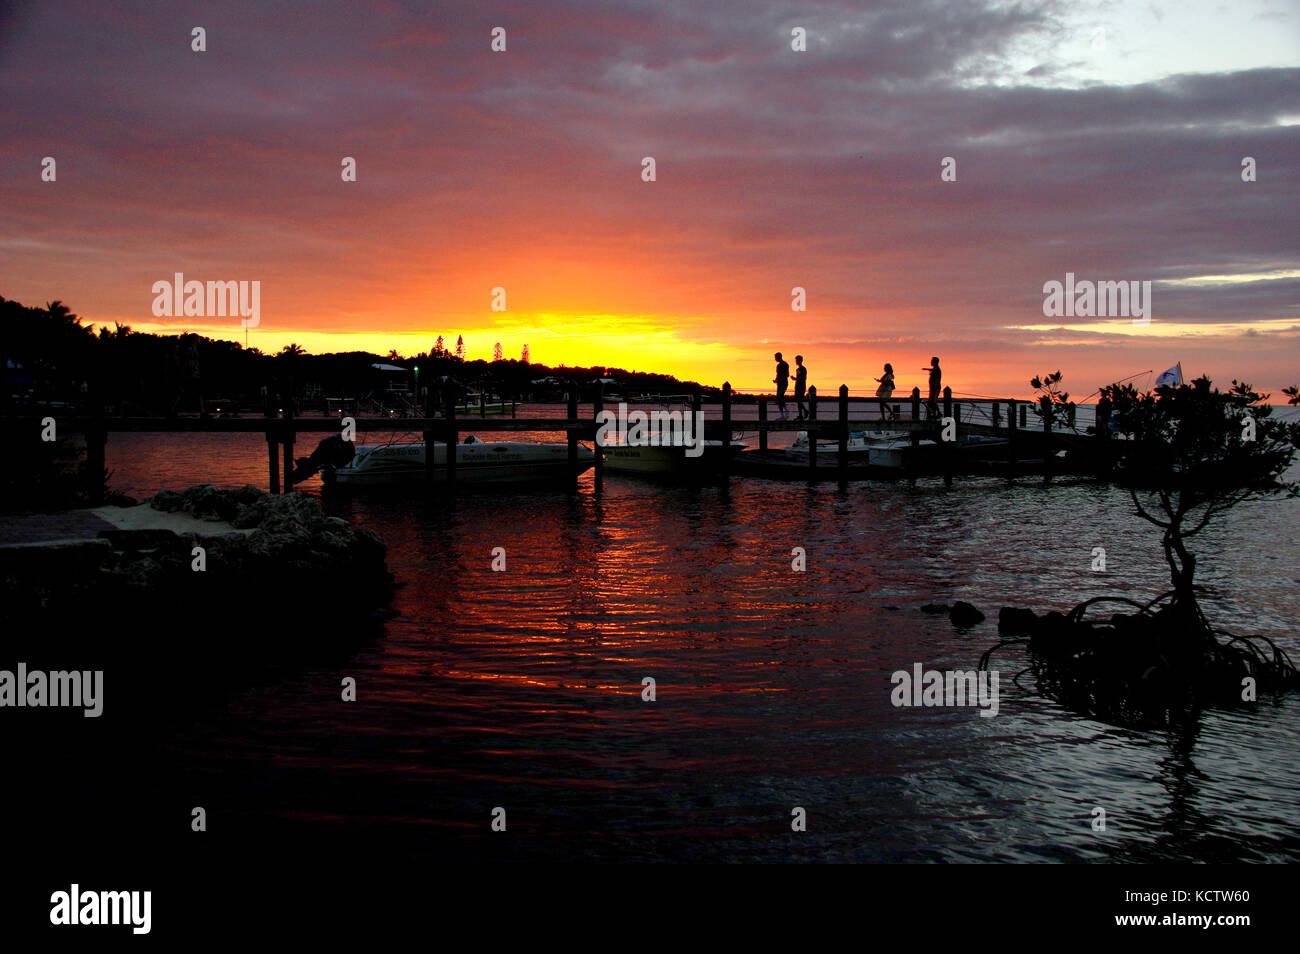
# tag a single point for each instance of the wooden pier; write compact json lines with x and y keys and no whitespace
{"x":1023,"y":449}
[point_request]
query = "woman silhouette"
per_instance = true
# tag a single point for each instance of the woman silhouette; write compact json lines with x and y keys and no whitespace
{"x":885,"y":391}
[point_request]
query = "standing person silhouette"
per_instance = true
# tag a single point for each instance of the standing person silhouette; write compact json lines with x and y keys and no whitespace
{"x":936,"y":382}
{"x":782,"y":381}
{"x":800,"y":385}
{"x":1103,"y":414}
{"x":886,"y":390}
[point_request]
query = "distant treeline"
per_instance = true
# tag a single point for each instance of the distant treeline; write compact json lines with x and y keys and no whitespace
{"x":50,"y":358}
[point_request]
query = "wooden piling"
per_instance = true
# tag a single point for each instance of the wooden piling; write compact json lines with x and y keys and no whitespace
{"x":430,"y":471}
{"x":287,"y":437}
{"x":812,"y":434}
{"x":762,"y":419}
{"x":946,"y":448}
{"x":272,"y":450}
{"x":844,"y":432}
{"x":916,"y":435}
{"x":1011,"y":436}
{"x":452,"y":436}
{"x":726,"y":430}
{"x":482,"y":404}
{"x":1049,"y":448}
{"x":96,"y":444}
{"x":951,"y":452}
{"x":597,"y":406}
{"x":573,"y":437}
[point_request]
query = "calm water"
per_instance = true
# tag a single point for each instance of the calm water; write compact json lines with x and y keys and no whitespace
{"x":522,"y":688}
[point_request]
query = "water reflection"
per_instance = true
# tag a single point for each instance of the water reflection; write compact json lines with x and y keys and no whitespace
{"x":523,"y":688}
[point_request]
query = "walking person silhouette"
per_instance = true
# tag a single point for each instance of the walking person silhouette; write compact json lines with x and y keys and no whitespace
{"x":782,"y":381}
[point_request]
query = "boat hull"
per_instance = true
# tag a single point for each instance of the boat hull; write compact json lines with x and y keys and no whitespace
{"x":495,"y":463}
{"x":665,"y":460}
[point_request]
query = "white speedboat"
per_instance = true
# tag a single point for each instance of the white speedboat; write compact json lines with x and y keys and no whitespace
{"x":895,"y":453}
{"x":477,"y":463}
{"x":668,"y":459}
{"x":860,"y":442}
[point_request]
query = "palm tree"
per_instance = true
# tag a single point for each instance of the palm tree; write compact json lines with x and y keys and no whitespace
{"x":61,"y":313}
{"x":292,"y":350}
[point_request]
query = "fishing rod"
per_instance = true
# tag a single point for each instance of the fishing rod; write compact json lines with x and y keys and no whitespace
{"x":1122,"y":380}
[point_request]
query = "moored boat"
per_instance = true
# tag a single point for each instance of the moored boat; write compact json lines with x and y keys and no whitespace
{"x":667,"y":459}
{"x":488,"y":463}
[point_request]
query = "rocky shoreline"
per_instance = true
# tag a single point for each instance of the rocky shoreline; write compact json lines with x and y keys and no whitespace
{"x":245,"y":570}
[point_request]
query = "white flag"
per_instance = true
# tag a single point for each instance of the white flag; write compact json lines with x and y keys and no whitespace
{"x":1173,"y":378}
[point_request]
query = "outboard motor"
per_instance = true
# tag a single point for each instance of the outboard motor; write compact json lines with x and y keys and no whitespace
{"x":333,"y":451}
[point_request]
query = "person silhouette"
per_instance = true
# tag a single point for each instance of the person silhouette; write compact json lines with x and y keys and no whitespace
{"x":886,"y":390}
{"x":800,"y":385}
{"x":936,"y":382}
{"x":782,"y":381}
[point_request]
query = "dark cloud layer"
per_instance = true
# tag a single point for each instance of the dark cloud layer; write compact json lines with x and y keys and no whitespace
{"x":775,"y":168}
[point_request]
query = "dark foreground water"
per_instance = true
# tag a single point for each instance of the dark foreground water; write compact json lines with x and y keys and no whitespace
{"x":522,"y":689}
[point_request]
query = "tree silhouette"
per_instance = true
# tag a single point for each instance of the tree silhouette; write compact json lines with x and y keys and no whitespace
{"x":460,"y":347}
{"x":496,"y":352}
{"x":1196,"y":452}
{"x":62,"y":314}
{"x":523,"y":355}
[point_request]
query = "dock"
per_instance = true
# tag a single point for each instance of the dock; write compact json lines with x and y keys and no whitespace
{"x":1015,"y":444}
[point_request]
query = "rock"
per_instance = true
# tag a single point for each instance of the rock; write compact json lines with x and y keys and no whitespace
{"x":330,"y":543}
{"x":247,"y":516}
{"x":964,"y":614}
{"x":1052,"y":635}
{"x":207,"y":502}
{"x":1052,"y":623}
{"x":138,"y":539}
{"x":168,"y":501}
{"x":143,"y":572}
{"x":247,"y":494}
{"x":1014,"y":621}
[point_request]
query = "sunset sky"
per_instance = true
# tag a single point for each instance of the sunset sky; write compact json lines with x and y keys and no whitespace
{"x":1103,"y":139}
